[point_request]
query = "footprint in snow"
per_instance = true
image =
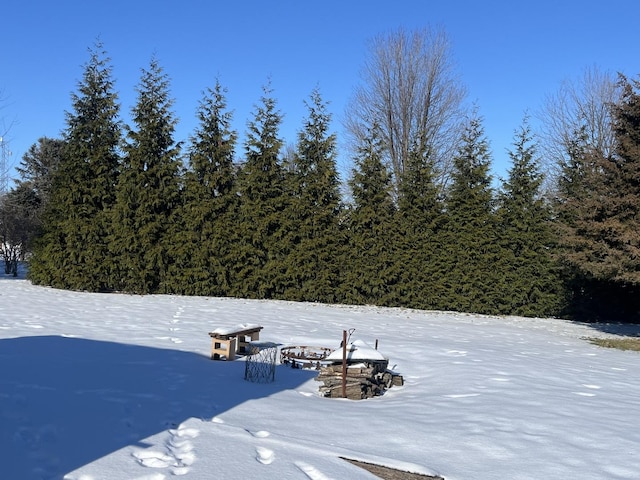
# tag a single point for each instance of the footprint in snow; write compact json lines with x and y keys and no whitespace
{"x":179,"y":455}
{"x":179,"y":444}
{"x":217,"y":420}
{"x":584,"y":394}
{"x":177,"y":471}
{"x":260,"y":433}
{"x":456,"y":353}
{"x":264,"y":455}
{"x":186,"y":458}
{"x":311,"y":472}
{"x":153,"y":459}
{"x":587,"y":394}
{"x":178,"y":314}
{"x":153,"y":476}
{"x":185,"y":432}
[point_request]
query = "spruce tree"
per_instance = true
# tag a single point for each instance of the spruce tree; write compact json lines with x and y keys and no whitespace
{"x":208,"y":215}
{"x":616,"y":247}
{"x":36,"y":172}
{"x":73,"y":251}
{"x":420,"y":220}
{"x":532,"y":284}
{"x":314,"y":239}
{"x":148,"y":191}
{"x":575,"y":185}
{"x":38,"y":166}
{"x":260,"y":260}
{"x":598,"y":211}
{"x":469,"y":241}
{"x":369,"y":277}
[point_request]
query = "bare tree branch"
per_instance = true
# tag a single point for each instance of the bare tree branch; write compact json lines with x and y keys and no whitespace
{"x":580,"y":107}
{"x":411,"y":91}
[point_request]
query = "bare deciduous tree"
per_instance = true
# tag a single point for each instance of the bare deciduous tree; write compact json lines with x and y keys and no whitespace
{"x":412,"y":92}
{"x":19,"y":223}
{"x":5,"y":153}
{"x":580,"y":109}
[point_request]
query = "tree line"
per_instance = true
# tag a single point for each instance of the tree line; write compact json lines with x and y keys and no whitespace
{"x":127,"y":208}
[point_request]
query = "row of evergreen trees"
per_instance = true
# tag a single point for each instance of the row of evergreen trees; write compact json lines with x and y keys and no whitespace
{"x":123,"y":214}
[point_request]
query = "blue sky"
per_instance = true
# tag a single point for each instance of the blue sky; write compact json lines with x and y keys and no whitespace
{"x":510,"y":55}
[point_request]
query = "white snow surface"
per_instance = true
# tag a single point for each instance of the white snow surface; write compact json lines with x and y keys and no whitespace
{"x":110,"y":386}
{"x":237,"y":328}
{"x":356,"y":350}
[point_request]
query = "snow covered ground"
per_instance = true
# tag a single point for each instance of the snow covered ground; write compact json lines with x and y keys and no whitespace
{"x":104,"y":386}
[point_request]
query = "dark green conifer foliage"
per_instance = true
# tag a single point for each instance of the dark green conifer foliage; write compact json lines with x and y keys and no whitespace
{"x":598,"y":213}
{"x":38,"y":166}
{"x":615,"y":245}
{"x":370,"y":277}
{"x":34,"y":186}
{"x":420,"y":220}
{"x":148,"y":191}
{"x":532,"y":284}
{"x":470,"y":239}
{"x":73,"y":252}
{"x":314,"y":239}
{"x":576,"y":183}
{"x":259,"y":251}
{"x":204,"y":243}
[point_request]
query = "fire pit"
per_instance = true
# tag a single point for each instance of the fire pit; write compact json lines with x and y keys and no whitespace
{"x":304,"y":356}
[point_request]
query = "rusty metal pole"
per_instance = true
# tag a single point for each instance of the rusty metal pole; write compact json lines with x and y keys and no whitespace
{"x":344,"y":364}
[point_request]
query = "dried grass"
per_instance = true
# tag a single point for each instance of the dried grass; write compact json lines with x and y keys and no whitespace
{"x":625,"y":343}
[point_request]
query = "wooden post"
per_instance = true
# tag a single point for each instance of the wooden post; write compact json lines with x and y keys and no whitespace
{"x":344,"y":364}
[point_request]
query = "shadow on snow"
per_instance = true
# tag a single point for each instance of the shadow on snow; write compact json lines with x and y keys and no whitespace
{"x":22,"y":272}
{"x":65,"y":402}
{"x":623,"y":329}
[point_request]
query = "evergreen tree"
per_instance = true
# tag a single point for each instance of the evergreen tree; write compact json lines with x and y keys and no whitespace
{"x":370,"y":277}
{"x":38,"y":166}
{"x":598,"y":211}
{"x":576,"y":182}
{"x":532,"y":285}
{"x":148,"y":191}
{"x":260,"y":261}
{"x":469,"y":239}
{"x":34,"y":186}
{"x":73,"y":251}
{"x":314,"y":240}
{"x":420,"y":220}
{"x":208,"y":216}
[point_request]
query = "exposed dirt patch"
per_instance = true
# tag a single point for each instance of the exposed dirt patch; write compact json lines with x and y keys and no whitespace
{"x":387,"y":473}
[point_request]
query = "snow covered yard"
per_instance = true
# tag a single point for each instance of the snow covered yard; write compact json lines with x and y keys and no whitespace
{"x":97,"y":386}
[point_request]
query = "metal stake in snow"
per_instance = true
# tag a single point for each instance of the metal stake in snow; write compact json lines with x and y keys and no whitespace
{"x":344,"y":364}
